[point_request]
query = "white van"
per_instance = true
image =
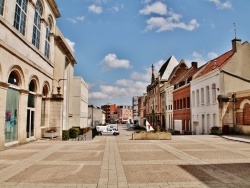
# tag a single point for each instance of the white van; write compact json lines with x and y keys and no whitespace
{"x":110,"y":129}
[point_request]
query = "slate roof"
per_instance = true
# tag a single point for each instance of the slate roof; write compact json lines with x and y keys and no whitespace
{"x":164,"y":66}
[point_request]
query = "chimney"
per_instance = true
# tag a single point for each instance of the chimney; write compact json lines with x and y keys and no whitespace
{"x":235,"y":44}
{"x":194,"y":64}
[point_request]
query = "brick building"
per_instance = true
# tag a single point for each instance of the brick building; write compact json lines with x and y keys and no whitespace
{"x":109,"y":109}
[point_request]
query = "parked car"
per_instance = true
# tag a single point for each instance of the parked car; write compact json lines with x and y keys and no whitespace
{"x":139,"y":127}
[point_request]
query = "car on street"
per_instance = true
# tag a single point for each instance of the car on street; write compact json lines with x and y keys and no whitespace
{"x":139,"y":127}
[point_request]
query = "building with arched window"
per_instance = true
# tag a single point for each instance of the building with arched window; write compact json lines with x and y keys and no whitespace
{"x":217,"y":85}
{"x":36,"y":71}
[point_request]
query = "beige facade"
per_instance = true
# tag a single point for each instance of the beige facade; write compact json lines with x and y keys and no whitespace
{"x":80,"y":103}
{"x":36,"y":72}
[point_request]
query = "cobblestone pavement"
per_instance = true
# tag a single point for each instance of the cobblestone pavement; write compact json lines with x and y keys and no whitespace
{"x":117,"y":161}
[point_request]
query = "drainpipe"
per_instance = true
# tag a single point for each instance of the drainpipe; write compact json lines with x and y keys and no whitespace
{"x":234,"y":113}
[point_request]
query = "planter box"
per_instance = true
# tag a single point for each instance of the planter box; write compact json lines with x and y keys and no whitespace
{"x":151,"y":136}
{"x":50,"y":135}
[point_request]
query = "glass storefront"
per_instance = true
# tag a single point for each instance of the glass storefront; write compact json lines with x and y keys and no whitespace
{"x":11,"y":114}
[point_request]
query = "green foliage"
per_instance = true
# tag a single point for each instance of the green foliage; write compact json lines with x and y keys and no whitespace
{"x":65,"y":135}
{"x":73,"y":132}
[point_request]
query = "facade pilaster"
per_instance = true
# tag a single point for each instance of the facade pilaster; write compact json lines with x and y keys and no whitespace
{"x":22,"y":116}
{"x":37,"y":123}
{"x":56,"y":113}
{"x":3,"y":97}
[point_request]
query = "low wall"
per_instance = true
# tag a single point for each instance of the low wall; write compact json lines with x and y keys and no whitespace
{"x":151,"y":136}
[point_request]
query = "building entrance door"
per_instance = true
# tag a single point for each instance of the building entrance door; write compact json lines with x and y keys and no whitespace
{"x":30,"y":122}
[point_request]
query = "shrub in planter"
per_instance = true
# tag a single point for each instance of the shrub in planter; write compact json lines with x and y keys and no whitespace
{"x":73,"y":132}
{"x":81,"y":131}
{"x":65,"y":135}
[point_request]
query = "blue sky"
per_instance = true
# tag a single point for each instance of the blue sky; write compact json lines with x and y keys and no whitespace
{"x":115,"y":42}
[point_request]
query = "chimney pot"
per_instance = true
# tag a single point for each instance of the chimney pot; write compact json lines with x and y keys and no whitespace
{"x":194,"y":64}
{"x":235,"y":44}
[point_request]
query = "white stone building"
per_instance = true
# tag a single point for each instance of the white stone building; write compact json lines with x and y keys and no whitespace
{"x":36,"y":71}
{"x":80,"y":103}
{"x":214,"y":85}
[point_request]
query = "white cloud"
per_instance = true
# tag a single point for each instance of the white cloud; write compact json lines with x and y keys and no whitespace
{"x":95,"y":9}
{"x":98,"y":95}
{"x":212,"y":55}
{"x":169,"y":20}
{"x":197,"y":57}
{"x":80,"y":18}
{"x":220,"y":5}
{"x":71,"y":44}
{"x":72,"y":20}
{"x":170,"y":23}
{"x":111,"y":61}
{"x":156,"y":8}
{"x":146,"y":1}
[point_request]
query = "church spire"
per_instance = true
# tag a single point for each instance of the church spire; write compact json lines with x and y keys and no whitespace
{"x":153,"y":75}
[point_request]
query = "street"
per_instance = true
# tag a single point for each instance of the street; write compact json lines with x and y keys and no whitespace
{"x":118,"y":161}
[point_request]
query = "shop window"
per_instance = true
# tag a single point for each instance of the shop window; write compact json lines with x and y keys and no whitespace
{"x":20,"y":16}
{"x":11,"y":115}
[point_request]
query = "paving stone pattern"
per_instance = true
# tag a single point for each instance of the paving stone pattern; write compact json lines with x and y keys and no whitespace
{"x":117,"y":161}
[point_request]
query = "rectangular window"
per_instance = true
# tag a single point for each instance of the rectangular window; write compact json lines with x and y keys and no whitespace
{"x":181,"y":104}
{"x":188,"y":102}
{"x":214,"y":93}
{"x":197,"y":98}
{"x":208,"y":95}
{"x":202,"y":95}
{"x":1,"y":6}
{"x":193,"y":98}
{"x":214,"y":120}
{"x":20,"y":16}
{"x":184,"y":103}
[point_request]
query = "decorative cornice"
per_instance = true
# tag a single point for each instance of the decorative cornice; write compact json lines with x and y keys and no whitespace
{"x":4,"y":85}
{"x":39,"y":95}
{"x":54,"y":8}
{"x":24,"y":91}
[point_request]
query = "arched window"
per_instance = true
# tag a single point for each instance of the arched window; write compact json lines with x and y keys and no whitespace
{"x":47,"y":39}
{"x":14,"y":79}
{"x":31,"y":97}
{"x":20,"y":15}
{"x":37,"y":25}
{"x":1,"y":6}
{"x":12,"y":106}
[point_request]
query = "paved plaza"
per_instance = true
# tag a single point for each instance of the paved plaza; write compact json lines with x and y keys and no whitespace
{"x":118,"y":161}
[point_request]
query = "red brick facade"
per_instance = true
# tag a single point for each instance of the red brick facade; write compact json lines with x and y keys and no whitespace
{"x":243,"y":110}
{"x":181,"y":100}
